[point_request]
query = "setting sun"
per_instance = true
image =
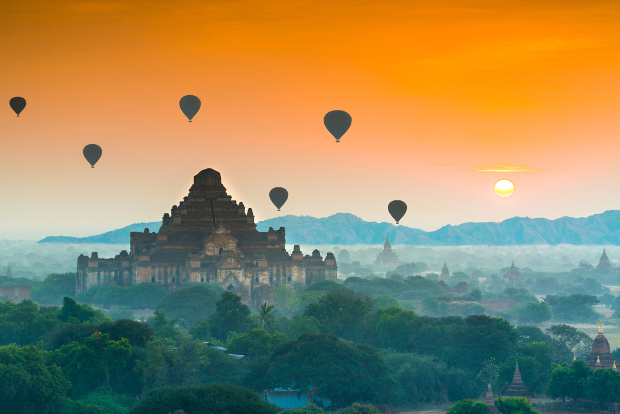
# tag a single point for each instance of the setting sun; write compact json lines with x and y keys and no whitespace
{"x":504,"y":188}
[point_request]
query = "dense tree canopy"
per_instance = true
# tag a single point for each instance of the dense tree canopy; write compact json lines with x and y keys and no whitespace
{"x":204,"y":399}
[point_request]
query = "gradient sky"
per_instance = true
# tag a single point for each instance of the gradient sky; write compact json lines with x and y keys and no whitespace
{"x":447,"y":97}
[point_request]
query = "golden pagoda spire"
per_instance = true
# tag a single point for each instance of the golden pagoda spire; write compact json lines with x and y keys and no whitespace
{"x":598,"y":360}
{"x":614,"y":365}
{"x":600,"y":327}
{"x":574,"y":357}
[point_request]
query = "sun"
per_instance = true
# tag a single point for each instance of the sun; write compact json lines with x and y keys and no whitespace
{"x":504,"y":188}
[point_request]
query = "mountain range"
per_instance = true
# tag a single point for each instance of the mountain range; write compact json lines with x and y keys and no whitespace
{"x":348,"y":229}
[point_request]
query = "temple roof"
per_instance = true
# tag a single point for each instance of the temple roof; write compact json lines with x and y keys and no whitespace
{"x":8,"y":273}
{"x":516,"y":388}
{"x":600,"y":346}
{"x":387,"y":245}
{"x":490,"y":401}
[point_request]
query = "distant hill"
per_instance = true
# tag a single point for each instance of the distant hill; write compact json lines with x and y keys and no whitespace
{"x":347,"y":229}
{"x":118,"y":236}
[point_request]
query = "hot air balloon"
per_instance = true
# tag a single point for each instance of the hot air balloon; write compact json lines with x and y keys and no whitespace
{"x":278,"y":196}
{"x":92,"y":153}
{"x":17,"y":104}
{"x":190,"y":105}
{"x":397,"y":209}
{"x":337,"y":123}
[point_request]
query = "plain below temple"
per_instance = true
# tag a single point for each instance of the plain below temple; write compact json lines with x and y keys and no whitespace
{"x":209,"y":238}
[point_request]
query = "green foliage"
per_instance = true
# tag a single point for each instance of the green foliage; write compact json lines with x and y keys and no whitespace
{"x":328,"y":367}
{"x":302,"y":324}
{"x":573,"y":308}
{"x":357,"y":408}
{"x":25,"y":323}
{"x":536,"y":312}
{"x":566,"y":342}
{"x":514,"y":405}
{"x":73,"y":312}
{"x":392,"y":327}
{"x":424,"y":380}
{"x":342,"y":314}
{"x":468,"y":407}
{"x":385,"y":301}
{"x":78,"y":407}
{"x":201,"y":330}
{"x":231,"y":316}
{"x":54,"y":288}
{"x":138,"y":296}
{"x":255,"y":343}
{"x":89,"y":365}
{"x":187,"y":362}
{"x":568,"y":381}
{"x":29,"y":385}
{"x":308,"y":409}
{"x":137,"y":333}
{"x":267,"y":316}
{"x":204,"y":399}
{"x":117,"y":314}
{"x":603,"y":385}
{"x":190,"y":304}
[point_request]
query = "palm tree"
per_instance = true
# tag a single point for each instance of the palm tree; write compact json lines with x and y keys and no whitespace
{"x":267,"y":315}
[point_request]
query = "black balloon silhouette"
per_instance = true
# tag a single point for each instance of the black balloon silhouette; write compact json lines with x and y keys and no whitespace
{"x":17,"y":104}
{"x":92,"y":153}
{"x":397,"y":209}
{"x":190,"y":105}
{"x":278,"y":196}
{"x":337,"y":123}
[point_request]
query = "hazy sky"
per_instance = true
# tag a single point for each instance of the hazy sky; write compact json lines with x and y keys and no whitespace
{"x":438,"y":90}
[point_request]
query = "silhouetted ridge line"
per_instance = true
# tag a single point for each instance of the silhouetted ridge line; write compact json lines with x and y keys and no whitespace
{"x":348,"y":229}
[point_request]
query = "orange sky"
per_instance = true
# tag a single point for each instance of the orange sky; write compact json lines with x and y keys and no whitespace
{"x":437,"y":90}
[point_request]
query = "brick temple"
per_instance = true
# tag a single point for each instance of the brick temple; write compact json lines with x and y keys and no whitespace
{"x":209,"y":238}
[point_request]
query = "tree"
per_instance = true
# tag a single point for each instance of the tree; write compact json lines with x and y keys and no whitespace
{"x":568,"y":381}
{"x":573,"y":308}
{"x":308,"y":409}
{"x":391,"y":326}
{"x":302,"y":324}
{"x":230,"y":316}
{"x":385,"y":301}
{"x":73,"y":312}
{"x":607,"y":299}
{"x":267,"y":316}
{"x":29,"y":385}
{"x":514,"y":405}
{"x":603,"y":385}
{"x":328,"y":368}
{"x":342,"y":314}
{"x":203,"y":399}
{"x":190,"y":304}
{"x":357,"y":408}
{"x":536,"y":312}
{"x":468,"y":407}
{"x":566,"y":342}
{"x":90,"y":364}
{"x":25,"y":323}
{"x":255,"y":343}
{"x":54,"y":288}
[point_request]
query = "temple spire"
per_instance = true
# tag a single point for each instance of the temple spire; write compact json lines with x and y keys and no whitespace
{"x":600,"y":327}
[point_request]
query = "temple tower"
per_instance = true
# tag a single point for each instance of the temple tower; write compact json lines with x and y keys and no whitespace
{"x":490,"y":401}
{"x":516,"y":388}
{"x":601,"y":356}
{"x":445,"y":273}
{"x":603,"y":263}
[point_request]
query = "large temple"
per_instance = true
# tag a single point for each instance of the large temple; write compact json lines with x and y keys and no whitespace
{"x":513,"y":274}
{"x":601,"y":356}
{"x":387,"y":259}
{"x":209,"y":238}
{"x":445,"y":273}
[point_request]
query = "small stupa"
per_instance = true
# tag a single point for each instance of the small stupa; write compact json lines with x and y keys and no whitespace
{"x":516,"y":388}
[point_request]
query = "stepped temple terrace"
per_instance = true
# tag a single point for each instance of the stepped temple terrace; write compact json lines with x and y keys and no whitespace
{"x":209,"y":238}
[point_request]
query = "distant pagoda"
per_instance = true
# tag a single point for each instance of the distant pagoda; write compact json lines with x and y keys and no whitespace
{"x":516,"y":388}
{"x":513,"y":274}
{"x":445,"y":273}
{"x":8,"y":273}
{"x":387,"y":259}
{"x":603,"y":263}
